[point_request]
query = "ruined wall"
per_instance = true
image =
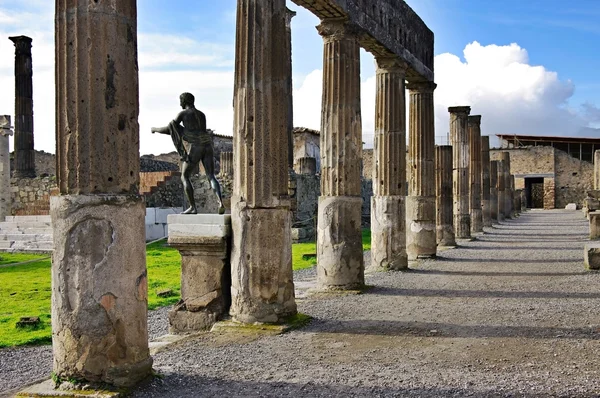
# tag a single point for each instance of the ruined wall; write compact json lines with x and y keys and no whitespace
{"x":31,"y":196}
{"x":307,"y":144}
{"x":573,"y":179}
{"x":367,"y":164}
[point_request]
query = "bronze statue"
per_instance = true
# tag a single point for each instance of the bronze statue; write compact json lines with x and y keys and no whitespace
{"x":193,"y":132}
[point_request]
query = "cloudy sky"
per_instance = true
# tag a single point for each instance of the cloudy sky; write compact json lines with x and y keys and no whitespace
{"x":529,"y":67}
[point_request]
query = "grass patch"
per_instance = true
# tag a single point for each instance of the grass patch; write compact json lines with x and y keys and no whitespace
{"x":14,"y":258}
{"x":164,"y":272}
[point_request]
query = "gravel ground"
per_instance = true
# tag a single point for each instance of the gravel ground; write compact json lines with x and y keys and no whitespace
{"x":511,"y":314}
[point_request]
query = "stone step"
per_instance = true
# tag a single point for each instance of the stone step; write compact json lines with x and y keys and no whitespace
{"x":7,"y":225}
{"x":30,"y":231}
{"x":28,"y":219}
{"x":5,"y":244}
{"x":26,"y":237}
{"x":42,"y":246}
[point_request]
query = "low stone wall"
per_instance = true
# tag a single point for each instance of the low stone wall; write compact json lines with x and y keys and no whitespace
{"x":31,"y":196}
{"x":156,"y":222}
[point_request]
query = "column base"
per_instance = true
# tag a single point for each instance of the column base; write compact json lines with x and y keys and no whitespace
{"x":487,"y":213}
{"x":388,"y":238}
{"x":445,"y":235}
{"x":476,"y":221}
{"x":340,"y":263}
{"x":462,"y":226}
{"x":420,"y":227}
{"x":262,"y":289}
{"x":99,"y":289}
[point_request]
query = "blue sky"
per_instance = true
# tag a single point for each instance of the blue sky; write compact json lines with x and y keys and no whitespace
{"x":528,"y":66}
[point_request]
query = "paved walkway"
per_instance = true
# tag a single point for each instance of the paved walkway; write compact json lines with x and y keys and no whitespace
{"x":511,"y":314}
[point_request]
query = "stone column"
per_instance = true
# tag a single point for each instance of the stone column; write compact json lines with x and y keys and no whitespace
{"x":5,"y":194}
{"x":226,"y":164}
{"x":494,"y":191}
{"x":474,"y":125}
{"x":388,"y":236}
{"x":523,"y":200}
{"x":24,"y":161}
{"x":485,"y":181}
{"x":262,"y":287}
{"x":517,"y":201}
{"x":443,"y":187}
{"x":508,"y":205}
{"x":99,"y":279}
{"x":515,"y":210}
{"x":339,"y":242}
{"x":597,"y":169}
{"x":307,"y":165}
{"x":420,"y":203}
{"x":501,"y":188}
{"x":459,"y":137}
{"x":289,"y":14}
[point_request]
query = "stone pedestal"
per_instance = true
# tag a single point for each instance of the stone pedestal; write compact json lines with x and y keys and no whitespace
{"x":594,"y":218}
{"x":459,"y":137}
{"x":420,"y":203}
{"x":474,"y":125}
{"x":261,"y":259}
{"x":204,"y":242}
{"x":339,"y":255}
{"x":494,"y":191}
{"x":99,"y":288}
{"x":591,"y":256}
{"x":387,"y":213}
{"x":5,"y":194}
{"x":485,"y":181}
{"x":24,"y":161}
{"x":443,"y":188}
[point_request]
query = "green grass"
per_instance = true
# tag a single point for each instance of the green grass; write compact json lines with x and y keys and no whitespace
{"x":25,"y":289}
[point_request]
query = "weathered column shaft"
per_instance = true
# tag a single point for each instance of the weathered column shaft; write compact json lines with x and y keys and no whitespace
{"x":226,"y":164}
{"x":306,"y":165}
{"x":501,"y":187}
{"x":597,"y":169}
{"x":262,"y":287}
{"x":99,"y":279}
{"x":508,"y":202}
{"x":475,"y":174}
{"x":420,"y":203}
{"x":443,"y":187}
{"x":339,"y":244}
{"x":289,"y":14}
{"x":24,"y":154}
{"x":5,"y":194}
{"x":388,"y":236}
{"x":494,"y":191}
{"x":485,"y":181}
{"x":459,"y":137}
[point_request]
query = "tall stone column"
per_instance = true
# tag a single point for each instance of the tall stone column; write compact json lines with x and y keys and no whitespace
{"x":420,"y":203}
{"x":485,"y":181}
{"x":474,"y":125}
{"x":262,"y":286}
{"x":443,"y":187}
{"x":5,"y":194}
{"x":508,"y":203}
{"x":339,"y":244}
{"x":289,"y":14}
{"x":501,"y":187}
{"x":24,"y":161}
{"x":99,"y":279}
{"x":494,"y":191}
{"x":388,"y":236}
{"x":459,"y":137}
{"x":597,"y":169}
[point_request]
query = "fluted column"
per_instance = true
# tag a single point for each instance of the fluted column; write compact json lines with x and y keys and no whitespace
{"x":388,"y":236}
{"x":494,"y":191}
{"x":474,"y":126}
{"x":289,"y":14}
{"x":226,"y":164}
{"x":24,"y":154}
{"x":339,"y":244}
{"x":307,"y":165}
{"x":459,"y":137}
{"x":420,"y":203}
{"x":501,"y":187}
{"x":5,"y":194}
{"x":262,"y":287}
{"x":508,"y":202}
{"x":443,"y":188}
{"x":99,"y":279}
{"x":485,"y":181}
{"x":597,"y":169}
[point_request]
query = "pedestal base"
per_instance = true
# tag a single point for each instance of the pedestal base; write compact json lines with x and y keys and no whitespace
{"x":420,"y":227}
{"x":388,"y":237}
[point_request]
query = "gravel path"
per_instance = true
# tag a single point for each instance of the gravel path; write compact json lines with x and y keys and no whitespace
{"x":511,"y":314}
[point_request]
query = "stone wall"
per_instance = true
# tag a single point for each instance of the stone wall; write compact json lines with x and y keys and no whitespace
{"x":31,"y":196}
{"x":367,"y":164}
{"x":307,"y":144}
{"x":573,"y":179}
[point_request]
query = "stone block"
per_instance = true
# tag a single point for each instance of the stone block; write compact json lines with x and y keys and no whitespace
{"x":571,"y":206}
{"x":150,"y":215}
{"x":182,"y":227}
{"x":163,"y":214}
{"x":591,"y":256}
{"x":594,"y":218}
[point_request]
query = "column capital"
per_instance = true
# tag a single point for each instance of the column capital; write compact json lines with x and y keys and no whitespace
{"x":337,"y":29}
{"x":390,"y":63}
{"x":460,"y":109}
{"x":289,"y":14}
{"x":422,"y":87}
{"x":22,"y":43}
{"x":474,"y":120}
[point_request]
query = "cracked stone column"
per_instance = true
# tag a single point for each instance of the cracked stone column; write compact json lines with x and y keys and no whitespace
{"x":99,"y":279}
{"x":24,"y":161}
{"x":388,"y":236}
{"x":5,"y":194}
{"x":443,"y":187}
{"x":420,"y":203}
{"x":494,"y":191}
{"x":339,"y":244}
{"x":486,"y":206}
{"x":459,"y":137}
{"x":474,"y":126}
{"x":508,"y":206}
{"x":262,"y":287}
{"x":501,"y":188}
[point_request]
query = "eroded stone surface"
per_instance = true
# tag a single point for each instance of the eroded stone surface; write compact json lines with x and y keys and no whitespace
{"x":459,"y":136}
{"x":387,"y":213}
{"x":474,"y":126}
{"x":494,"y":190}
{"x":443,"y":188}
{"x":5,"y":192}
{"x":591,"y":256}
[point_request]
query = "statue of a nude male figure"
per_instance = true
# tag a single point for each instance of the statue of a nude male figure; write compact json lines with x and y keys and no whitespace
{"x":193,"y":132}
